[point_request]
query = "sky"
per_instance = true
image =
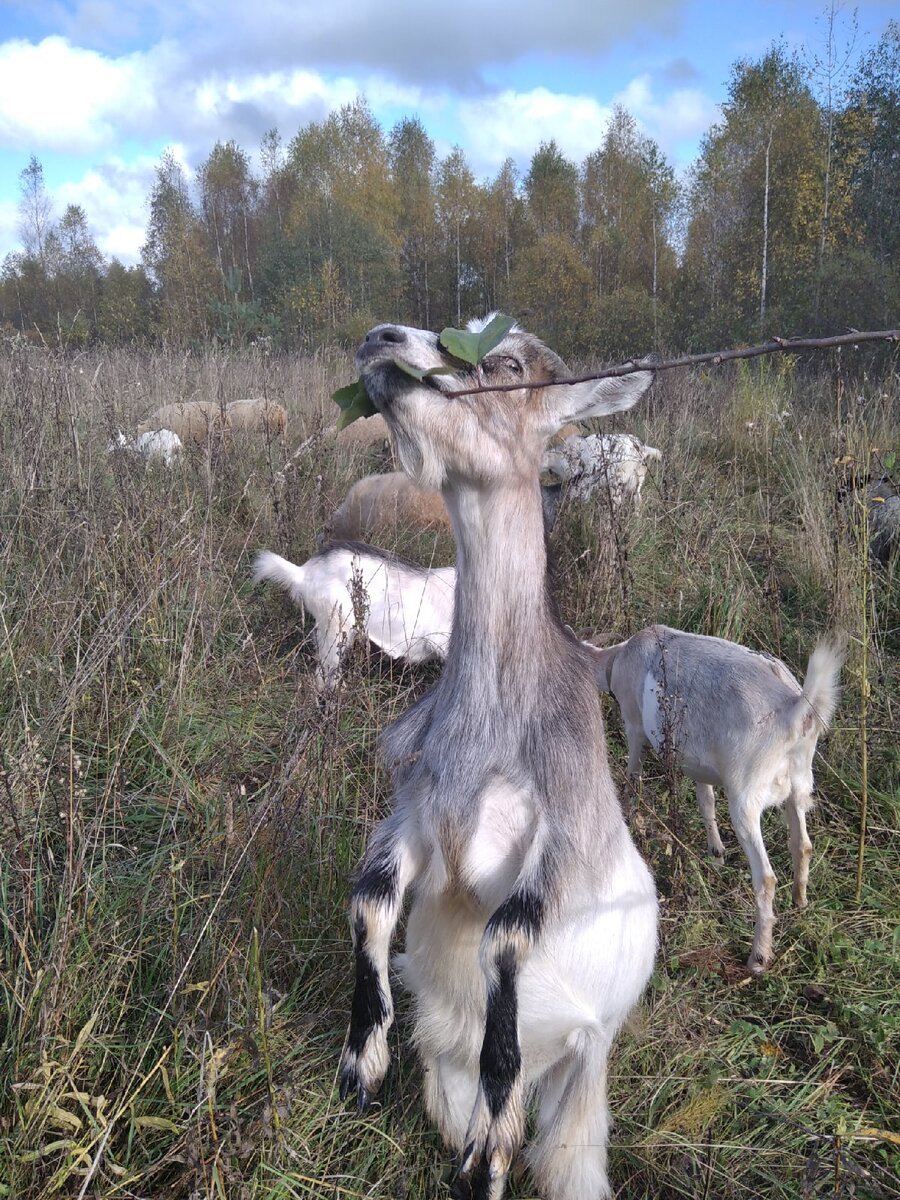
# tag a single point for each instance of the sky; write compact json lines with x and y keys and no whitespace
{"x":98,"y":89}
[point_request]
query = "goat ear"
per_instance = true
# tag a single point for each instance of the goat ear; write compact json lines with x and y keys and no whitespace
{"x":596,"y":397}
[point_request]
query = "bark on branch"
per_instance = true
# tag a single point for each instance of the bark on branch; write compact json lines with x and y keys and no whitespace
{"x":791,"y":345}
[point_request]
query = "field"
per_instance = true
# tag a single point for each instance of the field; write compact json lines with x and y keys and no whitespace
{"x":179,"y":818}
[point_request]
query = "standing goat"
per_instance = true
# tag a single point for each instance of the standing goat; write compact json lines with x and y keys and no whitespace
{"x":532,"y":930}
{"x":735,"y":719}
{"x":408,"y":608}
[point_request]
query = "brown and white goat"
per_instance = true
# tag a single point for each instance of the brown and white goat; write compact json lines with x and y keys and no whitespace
{"x":532,"y":930}
{"x":736,"y":719}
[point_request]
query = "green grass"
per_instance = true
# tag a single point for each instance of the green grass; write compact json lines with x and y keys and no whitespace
{"x":179,"y":820}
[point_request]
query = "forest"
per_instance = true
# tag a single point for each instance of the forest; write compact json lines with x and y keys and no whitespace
{"x":788,"y":222}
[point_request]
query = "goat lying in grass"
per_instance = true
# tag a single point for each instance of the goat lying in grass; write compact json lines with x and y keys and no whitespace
{"x":404,"y":609}
{"x":382,"y":504}
{"x":192,"y":420}
{"x":735,"y":719}
{"x":256,"y":415}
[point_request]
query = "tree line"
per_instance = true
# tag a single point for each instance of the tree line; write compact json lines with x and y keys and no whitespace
{"x":787,"y":223}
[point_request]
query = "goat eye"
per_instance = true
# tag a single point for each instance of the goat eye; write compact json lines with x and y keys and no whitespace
{"x":498,"y":361}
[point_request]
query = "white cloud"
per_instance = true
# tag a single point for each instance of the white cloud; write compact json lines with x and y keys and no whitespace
{"x":114,"y":196}
{"x":513,"y":124}
{"x":676,"y":120}
{"x":61,"y":97}
{"x":9,"y":227}
{"x":410,"y":41}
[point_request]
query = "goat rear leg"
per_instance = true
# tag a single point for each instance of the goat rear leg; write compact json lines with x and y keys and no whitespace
{"x":706,"y":798}
{"x":801,"y":847}
{"x":568,"y":1156}
{"x":746,"y":812}
{"x":388,"y":868}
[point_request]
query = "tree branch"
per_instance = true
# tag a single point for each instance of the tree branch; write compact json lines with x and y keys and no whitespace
{"x":791,"y":345}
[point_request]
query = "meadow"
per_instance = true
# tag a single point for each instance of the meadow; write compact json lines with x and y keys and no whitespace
{"x":180,"y":818}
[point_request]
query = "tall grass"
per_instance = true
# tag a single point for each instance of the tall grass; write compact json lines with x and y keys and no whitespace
{"x":179,"y":818}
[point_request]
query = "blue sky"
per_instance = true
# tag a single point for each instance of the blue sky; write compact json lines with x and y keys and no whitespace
{"x":97,"y":89}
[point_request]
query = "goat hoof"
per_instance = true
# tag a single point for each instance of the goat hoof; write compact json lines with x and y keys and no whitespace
{"x":350,"y":1082}
{"x":756,"y":964}
{"x":717,"y":859}
{"x":473,"y":1179}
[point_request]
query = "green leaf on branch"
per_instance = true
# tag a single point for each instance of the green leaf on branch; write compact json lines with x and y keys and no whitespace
{"x":353,"y":401}
{"x":470,"y":346}
{"x":464,"y":344}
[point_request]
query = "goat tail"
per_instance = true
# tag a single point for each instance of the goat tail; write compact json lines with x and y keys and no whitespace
{"x":820,"y":687}
{"x":286,"y":574}
{"x":602,"y":663}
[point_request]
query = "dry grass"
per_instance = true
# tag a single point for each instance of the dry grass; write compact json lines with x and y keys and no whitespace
{"x":179,"y":820}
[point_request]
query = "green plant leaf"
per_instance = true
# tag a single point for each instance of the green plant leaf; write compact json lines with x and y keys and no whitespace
{"x":353,"y":401}
{"x":471,"y":347}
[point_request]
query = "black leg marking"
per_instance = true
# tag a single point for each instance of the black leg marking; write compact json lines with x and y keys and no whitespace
{"x":377,"y":880}
{"x":370,"y":1013}
{"x":501,"y":1058}
{"x":368,"y":1010}
{"x":522,"y":913}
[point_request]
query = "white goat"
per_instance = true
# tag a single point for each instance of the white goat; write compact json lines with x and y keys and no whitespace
{"x":532,"y":930}
{"x":155,"y":443}
{"x":617,"y":461}
{"x":407,"y":610}
{"x":736,"y":719}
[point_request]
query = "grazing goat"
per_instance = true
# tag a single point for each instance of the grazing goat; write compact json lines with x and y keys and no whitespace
{"x":157,"y":443}
{"x":193,"y":420}
{"x":617,"y":461}
{"x":407,"y":610}
{"x":532,"y":930}
{"x":736,"y":719}
{"x":256,"y":416}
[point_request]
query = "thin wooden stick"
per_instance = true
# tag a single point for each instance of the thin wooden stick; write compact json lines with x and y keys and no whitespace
{"x":776,"y":345}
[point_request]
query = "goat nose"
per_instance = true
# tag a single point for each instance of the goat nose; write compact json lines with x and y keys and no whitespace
{"x":387,"y":333}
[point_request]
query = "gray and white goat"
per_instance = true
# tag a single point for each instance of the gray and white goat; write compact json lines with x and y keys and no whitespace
{"x":532,"y":930}
{"x":407,"y":609}
{"x":614,"y":461}
{"x":736,"y":719}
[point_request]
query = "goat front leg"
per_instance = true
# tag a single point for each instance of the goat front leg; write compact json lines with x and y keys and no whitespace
{"x":497,"y":1125}
{"x":389,"y":866}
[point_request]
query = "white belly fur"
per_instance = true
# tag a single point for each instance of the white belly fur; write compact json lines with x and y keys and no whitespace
{"x":586,"y":973}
